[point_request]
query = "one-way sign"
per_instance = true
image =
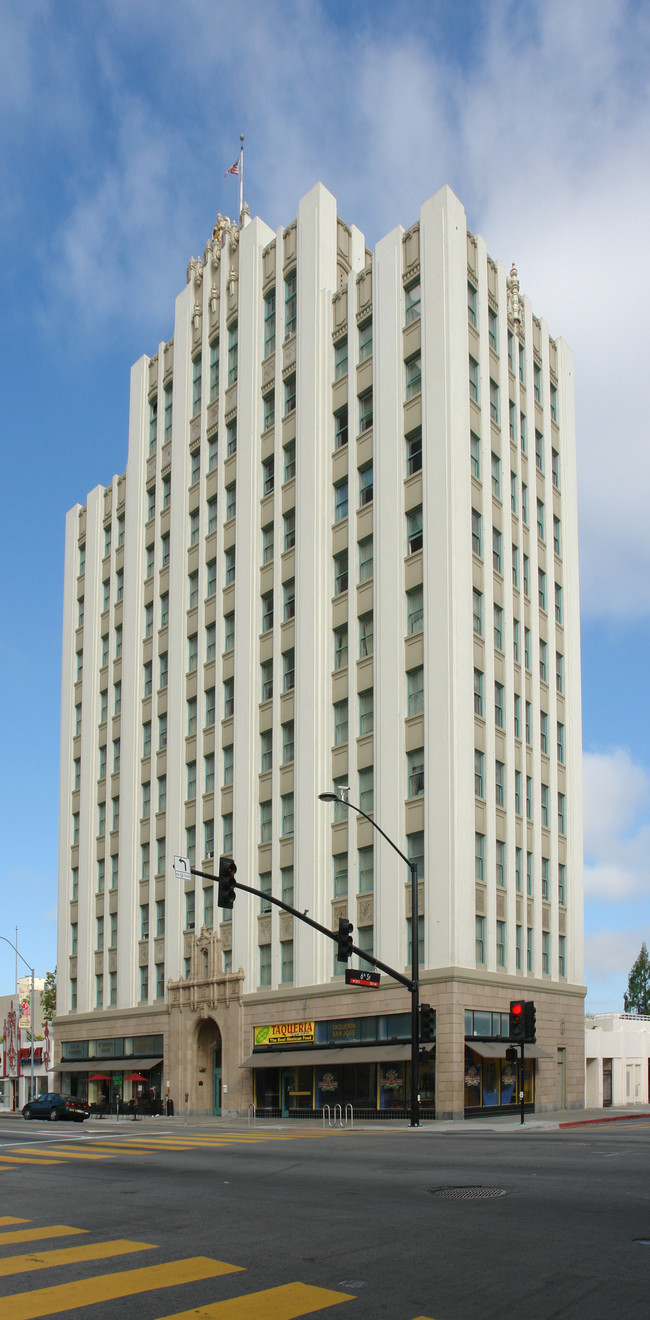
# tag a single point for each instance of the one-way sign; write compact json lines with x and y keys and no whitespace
{"x":368,"y":979}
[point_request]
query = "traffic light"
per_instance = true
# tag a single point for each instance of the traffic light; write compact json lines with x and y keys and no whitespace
{"x":529,"y":1022}
{"x":227,"y":882}
{"x":344,"y":940}
{"x":427,"y":1022}
{"x":518,"y":1019}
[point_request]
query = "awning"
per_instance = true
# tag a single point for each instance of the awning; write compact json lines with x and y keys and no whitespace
{"x":309,"y":1058}
{"x":496,"y":1049}
{"x":107,"y":1065}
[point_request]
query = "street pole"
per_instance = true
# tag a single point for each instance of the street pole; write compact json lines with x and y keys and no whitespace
{"x":415,"y":966}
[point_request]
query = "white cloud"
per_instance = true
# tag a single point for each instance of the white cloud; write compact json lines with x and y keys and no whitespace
{"x":609,"y":955}
{"x":616,"y":827}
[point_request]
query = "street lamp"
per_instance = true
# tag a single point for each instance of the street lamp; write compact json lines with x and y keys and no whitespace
{"x":415,"y":992}
{"x":31,"y":1010}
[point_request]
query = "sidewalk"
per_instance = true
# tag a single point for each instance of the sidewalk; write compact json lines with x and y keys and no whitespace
{"x":552,"y":1120}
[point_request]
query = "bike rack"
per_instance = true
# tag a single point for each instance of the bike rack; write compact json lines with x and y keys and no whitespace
{"x":335,"y":1116}
{"x":251,"y":1115}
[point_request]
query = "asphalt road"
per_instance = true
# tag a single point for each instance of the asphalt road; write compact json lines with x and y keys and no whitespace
{"x":159,"y":1219}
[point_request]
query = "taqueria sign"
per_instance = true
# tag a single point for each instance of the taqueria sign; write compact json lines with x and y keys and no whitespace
{"x":284,"y":1033}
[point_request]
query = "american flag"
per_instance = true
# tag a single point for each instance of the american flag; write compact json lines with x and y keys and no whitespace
{"x":234,"y":169}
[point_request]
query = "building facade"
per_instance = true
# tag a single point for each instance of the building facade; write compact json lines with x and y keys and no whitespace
{"x":343,"y":553}
{"x":22,"y":1075}
{"x":617,"y":1060}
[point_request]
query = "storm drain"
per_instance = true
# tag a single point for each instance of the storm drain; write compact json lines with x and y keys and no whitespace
{"x":467,"y":1193}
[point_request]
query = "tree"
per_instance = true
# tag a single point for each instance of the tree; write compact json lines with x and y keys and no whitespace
{"x":48,"y":996}
{"x":637,"y":996}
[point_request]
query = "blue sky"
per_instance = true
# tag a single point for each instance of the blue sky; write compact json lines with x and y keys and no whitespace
{"x":117,"y":121}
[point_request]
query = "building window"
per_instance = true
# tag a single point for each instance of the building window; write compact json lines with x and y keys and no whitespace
{"x":290,"y":394}
{"x":268,"y":476}
{"x":496,"y":476}
{"x":501,"y":943}
{"x":365,"y":484}
{"x":473,"y":380}
{"x":518,"y":876}
{"x":555,"y":467}
{"x":498,"y":627}
{"x":164,"y":671}
{"x":414,"y":451}
{"x":267,"y":611}
{"x":561,"y":883}
{"x":153,"y":426}
{"x":540,"y":520}
{"x":191,"y":780}
{"x":290,"y":529}
{"x":479,"y":774}
{"x":524,"y":503}
{"x":561,"y":813}
{"x":541,"y":588}
{"x":494,"y":402}
{"x":341,"y":500}
{"x":269,"y":323}
{"x":267,"y":679}
{"x":232,"y":353}
{"x":365,"y":559}
{"x":228,"y":767}
{"x":268,"y":403}
{"x":414,"y":530}
{"x":231,"y":500}
{"x":101,"y":822}
{"x":190,"y":911}
{"x":480,"y":940}
{"x":288,"y":670}
{"x":286,"y":802}
{"x":539,"y":451}
{"x":190,"y":844}
{"x":146,"y":738}
{"x":289,"y":460}
{"x":266,"y":750}
{"x":365,"y":341}
{"x":366,"y":789}
{"x":287,"y":742}
{"x":365,"y":635}
{"x":290,"y":305}
{"x":228,"y":697}
{"x":475,"y":455}
{"x":191,"y":715}
{"x":340,"y":573}
{"x":340,"y":874}
{"x":341,"y":359}
{"x":366,"y":712}
{"x":230,"y":565}
{"x":265,"y":822}
{"x":286,"y":877}
{"x":340,"y":723}
{"x":341,"y":428}
{"x":415,"y":771}
{"x":208,"y":838}
{"x":543,"y":732}
{"x":558,"y":603}
{"x":229,"y":631}
{"x":265,"y":964}
{"x":537,"y":382}
{"x":412,"y":302}
{"x":162,"y":731}
{"x":477,"y":609}
{"x":492,"y":330}
{"x":496,"y":550}
{"x":341,"y":647}
{"x":546,"y":953}
{"x":365,"y":410}
{"x":415,"y":691}
{"x":196,"y":385}
{"x":515,"y":640}
{"x":415,"y":610}
{"x":560,"y":743}
{"x":413,"y":376}
{"x":499,"y":783}
{"x":226,"y":832}
{"x":479,"y":858}
{"x":193,"y":597}
{"x":267,"y":543}
{"x":478,"y":692}
{"x":500,"y":863}
{"x":286,"y":961}
{"x":545,"y":877}
{"x":498,"y":704}
{"x":518,"y":792}
{"x":527,"y":649}
{"x":472,"y":305}
{"x":515,"y":566}
{"x":476,"y":532}
{"x":543,"y":660}
{"x":529,"y":798}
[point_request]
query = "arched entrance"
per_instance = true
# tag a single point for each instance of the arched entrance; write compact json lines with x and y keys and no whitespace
{"x":208,"y":1064}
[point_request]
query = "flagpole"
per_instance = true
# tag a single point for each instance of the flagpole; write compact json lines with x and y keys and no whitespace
{"x":241,"y":176}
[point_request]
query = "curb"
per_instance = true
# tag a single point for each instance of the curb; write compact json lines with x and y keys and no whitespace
{"x":614,"y":1118}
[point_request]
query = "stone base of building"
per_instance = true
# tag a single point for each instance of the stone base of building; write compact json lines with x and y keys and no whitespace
{"x":311,"y":1051}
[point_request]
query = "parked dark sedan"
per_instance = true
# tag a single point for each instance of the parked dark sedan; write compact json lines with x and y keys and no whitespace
{"x":54,"y":1106}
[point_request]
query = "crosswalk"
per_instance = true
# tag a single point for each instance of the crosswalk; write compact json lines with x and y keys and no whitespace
{"x":288,"y":1301}
{"x":54,"y":1151}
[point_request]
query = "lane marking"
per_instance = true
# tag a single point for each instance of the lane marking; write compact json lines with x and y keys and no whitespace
{"x":44,"y":1260}
{"x":11,"y":1219}
{"x":59,"y":1150}
{"x":287,"y":1302}
{"x":33,"y":1234}
{"x":107,"y":1287}
{"x":22,"y":1159}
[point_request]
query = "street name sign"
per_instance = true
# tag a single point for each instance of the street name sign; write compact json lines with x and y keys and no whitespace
{"x":368,"y":979}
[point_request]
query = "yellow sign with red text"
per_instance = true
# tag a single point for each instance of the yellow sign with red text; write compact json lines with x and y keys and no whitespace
{"x":282,"y":1033}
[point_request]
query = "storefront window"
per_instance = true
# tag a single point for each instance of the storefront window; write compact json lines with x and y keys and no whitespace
{"x":490,"y":1082}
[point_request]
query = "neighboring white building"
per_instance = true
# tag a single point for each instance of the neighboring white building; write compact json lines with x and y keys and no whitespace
{"x":344,"y":551}
{"x":617,"y":1060}
{"x":15,"y":1047}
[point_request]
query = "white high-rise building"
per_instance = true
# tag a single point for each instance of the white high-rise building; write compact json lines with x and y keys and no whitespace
{"x":344,"y":552}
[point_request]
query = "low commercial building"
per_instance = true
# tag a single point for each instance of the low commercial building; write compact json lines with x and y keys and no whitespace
{"x":617,"y":1060}
{"x":17,"y":1076}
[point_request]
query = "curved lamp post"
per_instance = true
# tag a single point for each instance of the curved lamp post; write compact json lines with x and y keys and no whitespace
{"x":31,"y":1009}
{"x":415,"y":992}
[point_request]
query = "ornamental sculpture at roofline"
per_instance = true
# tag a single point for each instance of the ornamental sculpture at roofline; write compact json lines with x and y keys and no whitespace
{"x":514,"y":301}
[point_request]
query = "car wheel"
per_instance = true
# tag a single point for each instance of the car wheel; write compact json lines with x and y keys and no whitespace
{"x":54,"y":1114}
{"x":27,"y":1113}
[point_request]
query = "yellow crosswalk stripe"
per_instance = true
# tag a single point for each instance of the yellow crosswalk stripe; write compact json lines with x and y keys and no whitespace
{"x":33,"y":1234}
{"x":284,"y":1303}
{"x":11,"y":1219}
{"x":106,"y":1287}
{"x":22,"y":1159}
{"x":44,"y":1260}
{"x":57,"y":1151}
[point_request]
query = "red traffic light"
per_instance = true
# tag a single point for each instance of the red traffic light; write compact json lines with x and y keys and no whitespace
{"x":517,"y":1009}
{"x":517,"y":1019}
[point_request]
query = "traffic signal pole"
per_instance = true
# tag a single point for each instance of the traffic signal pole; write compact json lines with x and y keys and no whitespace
{"x":521,"y":1083}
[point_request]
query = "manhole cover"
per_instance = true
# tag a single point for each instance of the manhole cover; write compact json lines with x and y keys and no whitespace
{"x":467,"y":1193}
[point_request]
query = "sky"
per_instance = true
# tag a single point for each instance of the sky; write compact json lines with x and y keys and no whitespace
{"x":118,"y":120}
